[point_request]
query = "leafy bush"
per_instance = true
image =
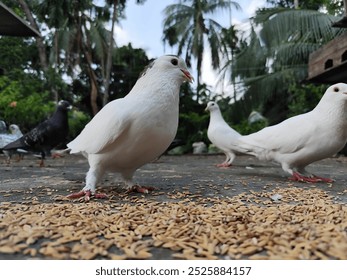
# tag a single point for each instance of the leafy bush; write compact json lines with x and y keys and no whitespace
{"x":246,"y":128}
{"x":304,"y":98}
{"x":22,"y":103}
{"x":77,"y":121}
{"x":192,"y":128}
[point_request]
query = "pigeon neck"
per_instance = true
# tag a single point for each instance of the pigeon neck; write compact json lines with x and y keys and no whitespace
{"x":163,"y":83}
{"x":330,"y":107}
{"x":60,"y":115}
{"x":216,"y":115}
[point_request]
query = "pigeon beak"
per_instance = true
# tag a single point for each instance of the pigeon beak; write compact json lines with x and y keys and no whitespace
{"x":188,"y":75}
{"x":206,"y":109}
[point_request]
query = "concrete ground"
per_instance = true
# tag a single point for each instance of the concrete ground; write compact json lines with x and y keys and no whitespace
{"x":250,"y":187}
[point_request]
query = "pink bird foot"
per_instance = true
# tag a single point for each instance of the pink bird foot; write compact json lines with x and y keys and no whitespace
{"x":139,"y":189}
{"x":87,"y":195}
{"x":327,"y":180}
{"x":224,"y":164}
{"x":314,"y":179}
{"x":57,"y":155}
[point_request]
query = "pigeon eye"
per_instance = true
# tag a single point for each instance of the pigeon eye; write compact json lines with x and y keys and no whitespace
{"x":174,"y":61}
{"x":336,"y":89}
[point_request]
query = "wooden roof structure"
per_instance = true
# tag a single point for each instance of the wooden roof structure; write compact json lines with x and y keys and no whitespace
{"x":13,"y":25}
{"x":328,"y":65}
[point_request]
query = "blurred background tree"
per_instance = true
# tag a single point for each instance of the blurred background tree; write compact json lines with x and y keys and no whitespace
{"x":189,"y":24}
{"x":271,"y":61}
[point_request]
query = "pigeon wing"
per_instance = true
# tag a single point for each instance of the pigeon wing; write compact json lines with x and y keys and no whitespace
{"x":287,"y":137}
{"x":104,"y":129}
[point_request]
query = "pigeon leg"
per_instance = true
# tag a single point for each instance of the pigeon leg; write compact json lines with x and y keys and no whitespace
{"x":140,"y":189}
{"x":229,"y":159}
{"x":93,"y":177}
{"x":57,"y":155}
{"x":42,"y":161}
{"x":87,"y":195}
{"x":224,"y":164}
{"x":131,"y":187}
{"x":314,"y":179}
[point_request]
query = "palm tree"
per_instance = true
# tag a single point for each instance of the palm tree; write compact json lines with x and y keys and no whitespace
{"x":188,"y":23}
{"x":276,"y":57}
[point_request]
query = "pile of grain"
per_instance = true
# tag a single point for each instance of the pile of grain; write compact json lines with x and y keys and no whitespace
{"x":303,"y":224}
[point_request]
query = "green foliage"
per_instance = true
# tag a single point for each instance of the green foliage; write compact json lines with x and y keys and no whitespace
{"x":77,"y":121}
{"x":189,"y":24}
{"x":333,"y":7}
{"x":23,"y":103}
{"x":304,"y":98}
{"x":16,"y":53}
{"x":128,"y":63}
{"x":192,"y":128}
{"x":246,"y":128}
{"x":280,"y":52}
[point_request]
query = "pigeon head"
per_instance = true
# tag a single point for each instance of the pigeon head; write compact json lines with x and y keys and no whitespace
{"x":212,"y":106}
{"x":339,"y":90}
{"x":13,"y":128}
{"x":64,"y":105}
{"x":334,"y":98}
{"x":172,"y":64}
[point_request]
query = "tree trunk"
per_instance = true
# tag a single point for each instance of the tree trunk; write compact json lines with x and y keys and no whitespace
{"x":296,"y":4}
{"x":93,"y":82}
{"x":109,"y":56}
{"x":39,"y":40}
{"x":198,"y":87}
{"x":40,"y":46}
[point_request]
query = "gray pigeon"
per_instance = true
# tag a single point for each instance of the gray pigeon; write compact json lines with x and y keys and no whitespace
{"x":6,"y":138}
{"x":47,"y":134}
{"x":132,"y":131}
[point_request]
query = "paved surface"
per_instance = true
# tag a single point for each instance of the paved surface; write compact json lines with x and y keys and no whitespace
{"x":167,"y":174}
{"x":24,"y":182}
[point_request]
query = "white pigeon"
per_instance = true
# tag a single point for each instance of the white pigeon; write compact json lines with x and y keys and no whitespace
{"x":132,"y":131}
{"x":303,"y":139}
{"x":220,"y":133}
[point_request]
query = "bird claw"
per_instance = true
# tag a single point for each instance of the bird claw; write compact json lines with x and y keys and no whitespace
{"x":57,"y":155}
{"x":327,"y":180}
{"x":87,"y":195}
{"x":140,"y":189}
{"x":314,"y":179}
{"x":224,"y":164}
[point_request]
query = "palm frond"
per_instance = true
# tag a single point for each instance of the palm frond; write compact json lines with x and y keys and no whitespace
{"x":283,"y":25}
